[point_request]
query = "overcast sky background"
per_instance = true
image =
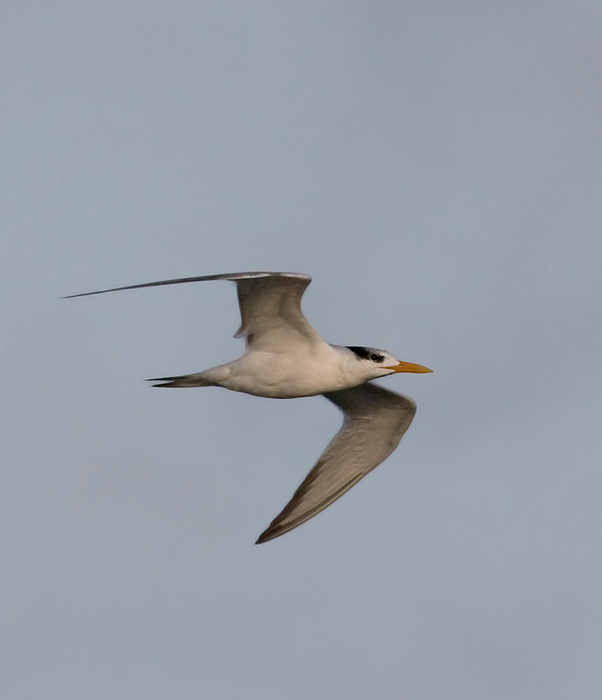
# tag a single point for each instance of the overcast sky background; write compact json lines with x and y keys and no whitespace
{"x":436,"y":167}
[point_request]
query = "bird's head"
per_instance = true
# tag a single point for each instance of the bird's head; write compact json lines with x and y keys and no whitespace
{"x":376,"y":363}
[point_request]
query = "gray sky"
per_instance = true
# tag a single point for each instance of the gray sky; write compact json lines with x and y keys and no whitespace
{"x":436,"y":167}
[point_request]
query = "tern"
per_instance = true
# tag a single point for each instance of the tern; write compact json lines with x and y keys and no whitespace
{"x":285,"y":358}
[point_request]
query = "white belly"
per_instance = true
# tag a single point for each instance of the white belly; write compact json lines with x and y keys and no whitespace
{"x":285,"y":376}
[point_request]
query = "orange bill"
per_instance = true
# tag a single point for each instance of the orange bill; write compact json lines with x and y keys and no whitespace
{"x":409,"y":367}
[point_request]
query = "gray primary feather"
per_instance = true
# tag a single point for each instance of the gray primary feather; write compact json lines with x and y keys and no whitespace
{"x":270,"y":305}
{"x":375,"y":421}
{"x":233,"y":276}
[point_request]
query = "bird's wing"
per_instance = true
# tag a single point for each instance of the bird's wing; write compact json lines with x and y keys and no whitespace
{"x":375,"y":421}
{"x":270,"y":309}
{"x":270,"y":305}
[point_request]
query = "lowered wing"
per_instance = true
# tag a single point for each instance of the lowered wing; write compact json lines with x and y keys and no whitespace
{"x":375,"y":421}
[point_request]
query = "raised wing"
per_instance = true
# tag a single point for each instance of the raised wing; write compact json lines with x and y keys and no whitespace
{"x":270,"y":309}
{"x":375,"y":421}
{"x":270,"y":305}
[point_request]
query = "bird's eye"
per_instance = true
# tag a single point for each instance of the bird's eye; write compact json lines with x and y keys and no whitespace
{"x":376,"y":358}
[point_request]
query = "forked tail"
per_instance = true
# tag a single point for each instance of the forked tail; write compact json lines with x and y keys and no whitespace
{"x":184,"y":380}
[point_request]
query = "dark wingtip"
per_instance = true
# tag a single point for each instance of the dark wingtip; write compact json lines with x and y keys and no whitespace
{"x":270,"y":534}
{"x":89,"y":294}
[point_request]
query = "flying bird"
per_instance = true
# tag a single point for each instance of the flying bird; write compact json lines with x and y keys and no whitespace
{"x":285,"y":358}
